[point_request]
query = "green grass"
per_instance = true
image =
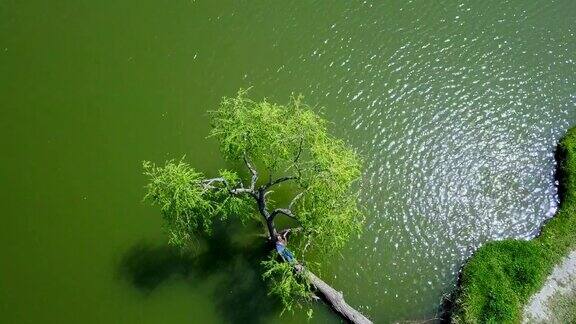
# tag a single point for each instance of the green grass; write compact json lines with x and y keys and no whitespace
{"x":501,"y":276}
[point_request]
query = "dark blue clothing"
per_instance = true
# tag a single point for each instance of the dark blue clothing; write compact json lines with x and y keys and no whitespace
{"x":284,"y":252}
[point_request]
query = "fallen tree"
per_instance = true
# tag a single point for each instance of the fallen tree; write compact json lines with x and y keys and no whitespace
{"x":336,"y":300}
{"x":277,"y":147}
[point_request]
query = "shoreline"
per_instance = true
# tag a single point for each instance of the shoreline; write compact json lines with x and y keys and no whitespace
{"x":497,"y":281}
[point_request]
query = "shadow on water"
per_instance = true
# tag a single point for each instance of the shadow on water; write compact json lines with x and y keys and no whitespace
{"x":240,"y":294}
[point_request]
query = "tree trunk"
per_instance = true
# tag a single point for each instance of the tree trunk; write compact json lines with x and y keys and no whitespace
{"x":332,"y":297}
{"x":336,"y":300}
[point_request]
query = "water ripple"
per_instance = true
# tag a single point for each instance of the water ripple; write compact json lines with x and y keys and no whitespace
{"x":457,"y":114}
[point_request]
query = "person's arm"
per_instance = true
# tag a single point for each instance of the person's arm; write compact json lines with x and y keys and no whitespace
{"x":285,"y":235}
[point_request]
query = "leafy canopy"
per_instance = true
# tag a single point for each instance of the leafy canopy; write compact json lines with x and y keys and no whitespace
{"x":187,"y":204}
{"x":290,"y":145}
{"x":293,"y":140}
{"x":293,"y":288}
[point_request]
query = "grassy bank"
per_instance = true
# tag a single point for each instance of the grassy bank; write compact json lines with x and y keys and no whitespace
{"x":501,"y":276}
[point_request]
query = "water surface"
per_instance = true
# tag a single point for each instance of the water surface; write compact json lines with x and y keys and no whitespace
{"x":456,"y":107}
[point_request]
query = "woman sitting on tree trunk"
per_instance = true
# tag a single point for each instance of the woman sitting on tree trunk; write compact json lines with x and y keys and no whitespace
{"x":281,"y":242}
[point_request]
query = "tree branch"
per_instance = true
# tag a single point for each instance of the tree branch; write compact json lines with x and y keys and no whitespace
{"x":239,"y":191}
{"x":298,"y":196}
{"x":307,"y":245}
{"x":207,"y":184}
{"x":299,"y":151}
{"x":291,"y":229}
{"x":283,"y":179}
{"x":284,"y":211}
{"x":279,"y":180}
{"x":252,"y":171}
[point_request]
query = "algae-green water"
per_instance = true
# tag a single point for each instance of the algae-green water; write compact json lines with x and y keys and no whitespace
{"x":455,"y":106}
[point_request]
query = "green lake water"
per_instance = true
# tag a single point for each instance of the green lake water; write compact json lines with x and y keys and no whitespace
{"x":455,"y":106}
